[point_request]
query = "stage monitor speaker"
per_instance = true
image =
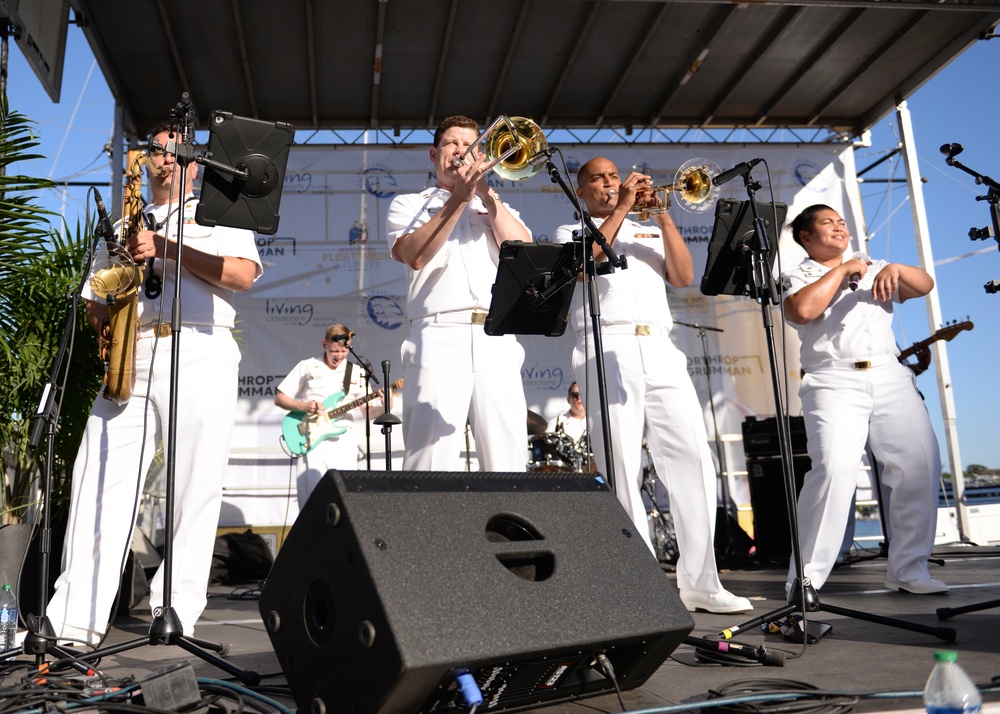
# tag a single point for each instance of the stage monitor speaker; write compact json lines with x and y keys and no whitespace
{"x":771,"y":533}
{"x":390,"y":586}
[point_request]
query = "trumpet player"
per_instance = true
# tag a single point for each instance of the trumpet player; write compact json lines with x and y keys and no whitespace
{"x":649,"y":391}
{"x":120,"y":439}
{"x":448,"y":237}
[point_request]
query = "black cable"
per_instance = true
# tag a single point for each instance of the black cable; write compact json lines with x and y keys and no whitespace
{"x":816,"y":701}
{"x":607,"y":669}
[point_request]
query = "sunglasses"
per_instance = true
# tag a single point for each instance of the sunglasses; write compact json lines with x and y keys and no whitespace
{"x":574,"y":395}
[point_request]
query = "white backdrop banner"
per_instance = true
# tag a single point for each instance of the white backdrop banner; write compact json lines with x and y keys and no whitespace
{"x":330,"y":262}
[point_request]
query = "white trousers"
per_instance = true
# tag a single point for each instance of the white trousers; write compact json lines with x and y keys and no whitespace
{"x":842,"y":410}
{"x":118,"y":445}
{"x":340,"y":453}
{"x":650,"y":394}
{"x":455,"y":373}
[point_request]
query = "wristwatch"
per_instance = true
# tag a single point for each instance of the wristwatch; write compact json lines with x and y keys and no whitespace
{"x":491,"y":198}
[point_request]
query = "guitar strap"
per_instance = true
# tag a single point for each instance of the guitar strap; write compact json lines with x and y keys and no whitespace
{"x":347,"y":378}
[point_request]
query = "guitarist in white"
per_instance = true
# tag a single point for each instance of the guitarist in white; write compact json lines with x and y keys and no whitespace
{"x":311,"y":391}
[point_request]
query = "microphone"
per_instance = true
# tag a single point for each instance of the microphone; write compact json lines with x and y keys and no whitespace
{"x":104,"y":228}
{"x":855,"y":278}
{"x":952,"y":150}
{"x":542,"y":156}
{"x":342,"y":338}
{"x":738,"y":170}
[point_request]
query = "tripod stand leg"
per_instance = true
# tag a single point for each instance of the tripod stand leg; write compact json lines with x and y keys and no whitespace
{"x":248,"y":677}
{"x":944,"y":613}
{"x":942,"y":633}
{"x":731,"y":632}
{"x":165,"y":630}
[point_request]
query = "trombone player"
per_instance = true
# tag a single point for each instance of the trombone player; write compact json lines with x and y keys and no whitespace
{"x":649,"y":391}
{"x":448,"y":237}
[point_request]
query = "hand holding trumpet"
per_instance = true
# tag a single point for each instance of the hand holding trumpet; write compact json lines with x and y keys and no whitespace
{"x":637,"y":193}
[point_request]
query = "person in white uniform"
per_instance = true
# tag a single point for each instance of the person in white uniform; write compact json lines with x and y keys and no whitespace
{"x":572,"y":421}
{"x":649,"y":391}
{"x":307,"y":387}
{"x":449,"y":237}
{"x":854,"y":390}
{"x":119,"y":442}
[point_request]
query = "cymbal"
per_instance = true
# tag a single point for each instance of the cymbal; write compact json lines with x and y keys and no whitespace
{"x":536,"y":423}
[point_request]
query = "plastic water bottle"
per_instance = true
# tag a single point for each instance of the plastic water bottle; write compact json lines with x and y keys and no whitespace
{"x":949,"y":689}
{"x":8,"y":618}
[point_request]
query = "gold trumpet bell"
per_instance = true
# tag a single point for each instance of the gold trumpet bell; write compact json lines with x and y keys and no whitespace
{"x":526,"y":139}
{"x":695,"y":186}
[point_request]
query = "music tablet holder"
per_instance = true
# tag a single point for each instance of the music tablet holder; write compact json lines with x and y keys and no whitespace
{"x":261,"y":175}
{"x":740,"y":263}
{"x":534,"y":290}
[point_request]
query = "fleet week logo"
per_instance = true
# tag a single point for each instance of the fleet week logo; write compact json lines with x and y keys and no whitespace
{"x":378,"y":180}
{"x":384,"y":311}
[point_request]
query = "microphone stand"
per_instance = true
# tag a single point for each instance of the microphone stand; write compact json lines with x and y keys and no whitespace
{"x":369,"y":375}
{"x":728,"y":554}
{"x":387,"y":419}
{"x":590,"y":235}
{"x":41,"y":637}
{"x":803,"y":597}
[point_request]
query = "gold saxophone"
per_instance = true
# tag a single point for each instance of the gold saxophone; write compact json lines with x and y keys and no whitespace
{"x":117,"y":281}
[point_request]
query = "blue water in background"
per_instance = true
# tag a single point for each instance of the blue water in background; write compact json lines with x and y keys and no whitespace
{"x":868,"y":528}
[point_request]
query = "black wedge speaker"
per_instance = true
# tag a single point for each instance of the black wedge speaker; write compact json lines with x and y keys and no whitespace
{"x":391,"y":588}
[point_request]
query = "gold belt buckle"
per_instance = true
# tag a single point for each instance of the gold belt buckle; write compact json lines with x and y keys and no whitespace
{"x":862,"y":364}
{"x":478,"y":317}
{"x":162,"y":329}
{"x":642,"y":330}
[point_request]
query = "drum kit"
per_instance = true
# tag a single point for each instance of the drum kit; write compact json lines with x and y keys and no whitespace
{"x":556,"y":451}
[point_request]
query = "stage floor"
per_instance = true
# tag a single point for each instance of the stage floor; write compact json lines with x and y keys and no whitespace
{"x":857,"y":655}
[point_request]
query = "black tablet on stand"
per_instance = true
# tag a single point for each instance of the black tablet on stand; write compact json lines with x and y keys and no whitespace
{"x":534,"y":288}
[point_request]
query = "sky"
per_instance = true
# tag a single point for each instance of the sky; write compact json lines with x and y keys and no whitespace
{"x":958,"y":105}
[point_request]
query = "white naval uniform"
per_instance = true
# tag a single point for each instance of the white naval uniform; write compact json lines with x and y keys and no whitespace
{"x":572,"y":426}
{"x":650,"y":394}
{"x":454,"y":371}
{"x":117,"y":446}
{"x":843,"y":408}
{"x":313,"y":380}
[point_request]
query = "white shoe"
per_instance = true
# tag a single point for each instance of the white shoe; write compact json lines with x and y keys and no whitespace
{"x":720,"y":602}
{"x":922,"y":586}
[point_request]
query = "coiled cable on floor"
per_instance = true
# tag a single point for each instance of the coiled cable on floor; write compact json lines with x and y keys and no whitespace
{"x":811,"y":700}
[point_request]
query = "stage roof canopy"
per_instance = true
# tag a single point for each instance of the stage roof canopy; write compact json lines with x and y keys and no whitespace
{"x":405,"y":64}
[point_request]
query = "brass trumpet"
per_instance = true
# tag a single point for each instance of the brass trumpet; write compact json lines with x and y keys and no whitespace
{"x":694,"y":185}
{"x":509,"y":144}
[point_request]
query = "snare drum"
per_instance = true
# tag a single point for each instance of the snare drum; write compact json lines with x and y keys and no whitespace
{"x":552,"y":452}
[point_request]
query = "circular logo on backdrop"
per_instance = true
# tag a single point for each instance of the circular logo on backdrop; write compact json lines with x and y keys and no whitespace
{"x":806,"y":172}
{"x":379,"y":181}
{"x":384,"y":311}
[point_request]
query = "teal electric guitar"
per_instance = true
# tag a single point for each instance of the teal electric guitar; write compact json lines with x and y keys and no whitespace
{"x":302,"y":432}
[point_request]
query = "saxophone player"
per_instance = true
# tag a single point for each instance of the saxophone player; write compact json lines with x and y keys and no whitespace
{"x":120,"y":439}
